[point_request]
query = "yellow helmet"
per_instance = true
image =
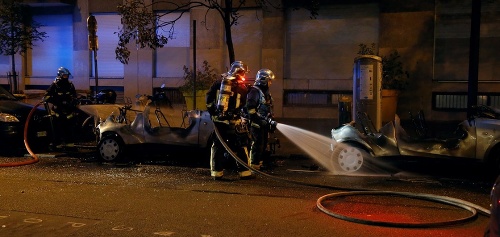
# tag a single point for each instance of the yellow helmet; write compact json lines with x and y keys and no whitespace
{"x":263,"y":77}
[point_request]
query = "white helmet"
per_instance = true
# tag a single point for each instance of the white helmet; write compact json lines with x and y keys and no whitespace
{"x":263,"y":77}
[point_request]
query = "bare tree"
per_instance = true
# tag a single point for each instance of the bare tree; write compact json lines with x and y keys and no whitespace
{"x":140,"y":23}
{"x":18,"y":32}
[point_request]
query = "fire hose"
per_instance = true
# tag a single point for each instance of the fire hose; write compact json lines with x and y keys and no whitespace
{"x":25,"y":134}
{"x":472,"y":208}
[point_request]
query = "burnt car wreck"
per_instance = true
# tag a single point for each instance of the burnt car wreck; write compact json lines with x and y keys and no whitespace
{"x":476,"y":138}
{"x":119,"y":133}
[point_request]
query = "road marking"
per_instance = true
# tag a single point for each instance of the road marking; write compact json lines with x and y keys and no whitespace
{"x":164,"y":233}
{"x":33,"y":220}
{"x":122,"y":228}
{"x":76,"y":224}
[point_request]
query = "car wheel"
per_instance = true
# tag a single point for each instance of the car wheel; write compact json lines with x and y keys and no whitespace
{"x":347,"y":158}
{"x":110,"y":149}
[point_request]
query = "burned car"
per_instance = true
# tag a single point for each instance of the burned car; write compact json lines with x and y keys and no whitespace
{"x":475,"y":139}
{"x":118,"y":133}
{"x":13,"y":116}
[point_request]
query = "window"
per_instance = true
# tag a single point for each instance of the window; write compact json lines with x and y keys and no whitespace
{"x":57,"y":49}
{"x":107,"y":64}
{"x":457,"y":101}
{"x":175,"y":54}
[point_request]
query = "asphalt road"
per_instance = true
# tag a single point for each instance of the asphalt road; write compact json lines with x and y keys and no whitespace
{"x":72,"y":196}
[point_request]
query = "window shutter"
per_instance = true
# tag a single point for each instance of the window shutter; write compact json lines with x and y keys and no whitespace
{"x":107,"y":64}
{"x":175,"y":54}
{"x":57,"y":49}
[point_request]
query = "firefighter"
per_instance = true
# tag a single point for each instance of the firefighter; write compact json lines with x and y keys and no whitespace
{"x":225,"y":100}
{"x":259,"y":112}
{"x":62,"y":95}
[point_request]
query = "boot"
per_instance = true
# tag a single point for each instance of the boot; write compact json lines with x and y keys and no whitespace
{"x":247,"y":174}
{"x":217,"y":175}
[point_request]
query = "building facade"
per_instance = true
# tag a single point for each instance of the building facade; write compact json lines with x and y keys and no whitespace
{"x":311,"y":57}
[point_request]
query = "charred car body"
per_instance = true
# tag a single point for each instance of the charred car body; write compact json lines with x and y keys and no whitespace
{"x":117,"y":135}
{"x":477,"y":138}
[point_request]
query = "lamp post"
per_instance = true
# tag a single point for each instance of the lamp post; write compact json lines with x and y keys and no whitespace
{"x":94,"y":46}
{"x":194,"y":64}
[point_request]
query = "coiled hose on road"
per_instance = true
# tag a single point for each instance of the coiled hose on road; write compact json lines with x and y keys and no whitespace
{"x":25,"y":135}
{"x":470,"y":207}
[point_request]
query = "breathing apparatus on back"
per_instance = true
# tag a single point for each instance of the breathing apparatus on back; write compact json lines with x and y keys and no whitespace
{"x":228,"y":99}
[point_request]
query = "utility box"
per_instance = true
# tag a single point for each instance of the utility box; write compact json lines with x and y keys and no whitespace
{"x":367,"y":87}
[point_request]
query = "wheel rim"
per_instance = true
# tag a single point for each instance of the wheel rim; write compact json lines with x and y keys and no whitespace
{"x":109,"y":149}
{"x":350,"y":159}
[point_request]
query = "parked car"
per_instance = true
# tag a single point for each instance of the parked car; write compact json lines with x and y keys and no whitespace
{"x":118,"y":134}
{"x":13,"y":115}
{"x":476,"y":138}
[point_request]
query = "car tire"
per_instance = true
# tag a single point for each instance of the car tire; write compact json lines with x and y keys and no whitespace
{"x":347,"y":158}
{"x":110,"y":149}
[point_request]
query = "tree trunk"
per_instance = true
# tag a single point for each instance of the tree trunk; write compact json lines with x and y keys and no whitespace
{"x":14,"y":75}
{"x":227,"y":28}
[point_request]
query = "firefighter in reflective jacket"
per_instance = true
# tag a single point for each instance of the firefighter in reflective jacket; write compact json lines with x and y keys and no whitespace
{"x":225,"y":101}
{"x":62,"y":95}
{"x":259,"y":112}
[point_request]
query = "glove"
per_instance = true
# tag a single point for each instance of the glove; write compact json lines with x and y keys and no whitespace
{"x":272,"y":125}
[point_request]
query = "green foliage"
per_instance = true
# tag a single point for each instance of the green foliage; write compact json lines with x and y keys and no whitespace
{"x":313,"y":6}
{"x":393,"y":75}
{"x":365,"y":50}
{"x":138,"y":25}
{"x":141,"y":24}
{"x":205,"y":77}
{"x":18,"y":30}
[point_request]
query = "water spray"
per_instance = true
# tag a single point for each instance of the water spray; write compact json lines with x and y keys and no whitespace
{"x":316,"y":146}
{"x":245,"y":164}
{"x":316,"y":140}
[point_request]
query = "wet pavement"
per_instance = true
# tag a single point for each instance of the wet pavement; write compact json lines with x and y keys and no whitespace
{"x":71,"y":194}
